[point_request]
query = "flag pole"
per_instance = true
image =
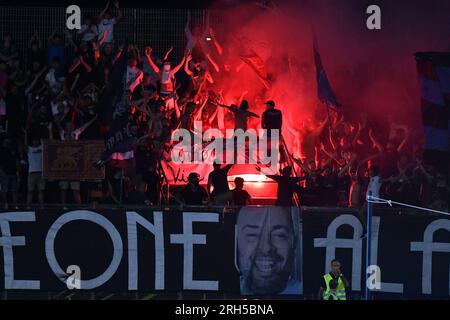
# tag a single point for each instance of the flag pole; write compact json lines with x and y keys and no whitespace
{"x":368,"y":243}
{"x":329,"y":118}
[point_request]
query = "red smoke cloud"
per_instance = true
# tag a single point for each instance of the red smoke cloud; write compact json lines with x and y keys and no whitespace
{"x":371,"y":71}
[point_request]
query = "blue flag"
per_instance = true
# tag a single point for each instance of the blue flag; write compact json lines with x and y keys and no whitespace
{"x":434,"y":79}
{"x":324,"y":90}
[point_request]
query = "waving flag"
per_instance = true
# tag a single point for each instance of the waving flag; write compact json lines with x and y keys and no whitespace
{"x":434,"y":79}
{"x":119,"y":143}
{"x":324,"y":90}
{"x":254,"y":61}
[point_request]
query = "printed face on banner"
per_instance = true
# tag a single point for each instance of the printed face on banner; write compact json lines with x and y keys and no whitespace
{"x":268,"y":251}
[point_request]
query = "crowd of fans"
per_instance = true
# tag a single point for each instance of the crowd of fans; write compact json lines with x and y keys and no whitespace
{"x":56,"y":93}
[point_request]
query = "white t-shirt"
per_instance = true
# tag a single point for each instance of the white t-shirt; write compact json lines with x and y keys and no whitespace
{"x":107,"y":25}
{"x":54,"y":83}
{"x":374,"y":186}
{"x":134,"y":77}
{"x":54,"y":107}
{"x":35,"y":159}
{"x":89,"y":33}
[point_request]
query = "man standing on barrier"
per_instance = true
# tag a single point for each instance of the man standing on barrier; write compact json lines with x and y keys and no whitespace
{"x":326,"y":291}
{"x":271,"y":119}
{"x":218,"y":180}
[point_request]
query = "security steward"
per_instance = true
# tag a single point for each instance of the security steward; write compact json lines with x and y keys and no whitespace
{"x":331,"y":294}
{"x":326,"y":291}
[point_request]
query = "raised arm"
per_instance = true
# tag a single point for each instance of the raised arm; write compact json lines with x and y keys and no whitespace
{"x":345,"y":168}
{"x":102,"y":38}
{"x":134,"y":83}
{"x":228,"y":167}
{"x":118,"y":54}
{"x":102,"y":14}
{"x":375,"y":142}
{"x":320,"y":128}
{"x":301,"y":165}
{"x":209,"y":77}
{"x":87,"y":124}
{"x":70,"y":41}
{"x":330,"y":138}
{"x":179,"y":66}
{"x":214,"y":64}
{"x":86,"y":66}
{"x":119,"y":11}
{"x":215,"y":42}
{"x":223,"y":105}
{"x":168,"y":53}
{"x":427,"y":176}
{"x":331,"y":155}
{"x":373,"y":156}
{"x":273,"y":177}
{"x":177,"y":110}
{"x":252,"y":114}
{"x":358,"y":133}
{"x":186,"y":66}
{"x":148,"y":52}
{"x":198,"y":114}
{"x":140,"y":105}
{"x":403,"y":143}
{"x":338,"y":121}
{"x":213,"y":115}
{"x":240,"y":66}
{"x":96,"y":52}
{"x":327,"y":162}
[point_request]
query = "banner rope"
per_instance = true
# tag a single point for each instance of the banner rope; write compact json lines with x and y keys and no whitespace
{"x":373,"y":199}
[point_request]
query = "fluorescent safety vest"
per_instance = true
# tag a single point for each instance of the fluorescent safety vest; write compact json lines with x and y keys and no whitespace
{"x":327,"y":295}
{"x":340,"y":292}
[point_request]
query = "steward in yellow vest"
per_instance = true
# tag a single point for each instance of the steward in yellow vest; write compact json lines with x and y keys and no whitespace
{"x":332,"y":292}
{"x":325,"y":292}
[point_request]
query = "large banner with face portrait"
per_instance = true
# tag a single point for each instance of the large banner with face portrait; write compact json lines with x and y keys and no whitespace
{"x":151,"y":251}
{"x":268,"y":251}
{"x":258,"y":251}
